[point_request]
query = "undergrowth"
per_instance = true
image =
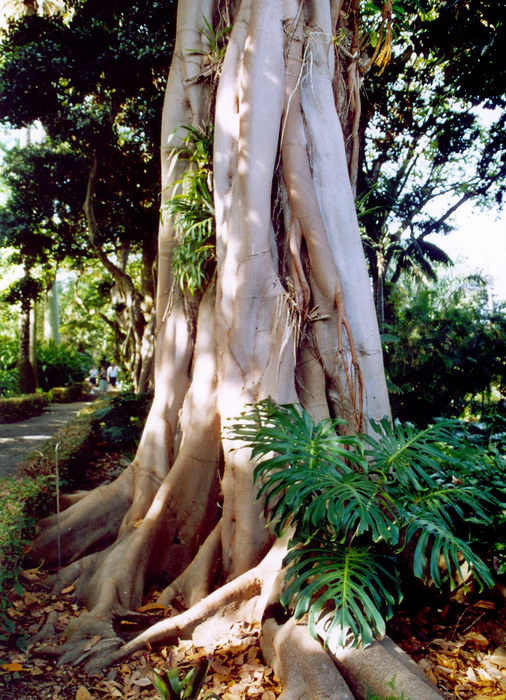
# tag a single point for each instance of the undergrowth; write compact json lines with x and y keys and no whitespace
{"x":356,"y":504}
{"x":22,"y":502}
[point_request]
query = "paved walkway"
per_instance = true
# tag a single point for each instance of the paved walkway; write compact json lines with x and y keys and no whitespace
{"x":18,"y":440}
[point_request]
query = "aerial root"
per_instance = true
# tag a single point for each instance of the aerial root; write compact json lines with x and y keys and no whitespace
{"x":243,"y":599}
{"x":240,"y":590}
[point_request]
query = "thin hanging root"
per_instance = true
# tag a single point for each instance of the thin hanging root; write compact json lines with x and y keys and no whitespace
{"x":301,"y":287}
{"x":307,"y":221}
{"x":354,"y":380}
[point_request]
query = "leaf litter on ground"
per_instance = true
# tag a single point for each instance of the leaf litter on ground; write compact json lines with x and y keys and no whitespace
{"x":462,"y":647}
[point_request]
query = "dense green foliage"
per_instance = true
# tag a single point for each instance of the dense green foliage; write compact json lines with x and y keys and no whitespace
{"x":93,"y":78}
{"x":433,"y":130}
{"x":8,"y":373}
{"x":192,"y":207}
{"x":121,"y":421}
{"x":355,"y":503}
{"x":61,"y":365}
{"x":447,"y":346}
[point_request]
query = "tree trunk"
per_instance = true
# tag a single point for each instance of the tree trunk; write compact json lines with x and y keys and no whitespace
{"x":52,"y":314}
{"x":27,"y":371}
{"x":288,"y":314}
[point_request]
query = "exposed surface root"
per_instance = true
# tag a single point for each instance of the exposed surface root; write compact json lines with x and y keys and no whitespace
{"x":89,"y":641}
{"x":89,"y":524}
{"x":300,"y":662}
{"x":242,"y":600}
{"x":92,"y":639}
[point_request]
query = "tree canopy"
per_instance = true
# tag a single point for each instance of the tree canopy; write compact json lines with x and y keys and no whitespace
{"x":433,"y":136}
{"x":93,"y":78}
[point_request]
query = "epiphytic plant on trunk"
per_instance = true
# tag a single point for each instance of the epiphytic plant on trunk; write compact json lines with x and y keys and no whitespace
{"x":192,"y":207}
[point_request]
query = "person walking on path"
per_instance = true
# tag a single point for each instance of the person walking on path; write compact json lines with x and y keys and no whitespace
{"x":93,"y":378}
{"x":112,"y":375}
{"x":102,"y":379}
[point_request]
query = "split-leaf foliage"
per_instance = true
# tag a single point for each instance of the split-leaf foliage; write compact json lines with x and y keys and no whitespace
{"x":356,"y":503}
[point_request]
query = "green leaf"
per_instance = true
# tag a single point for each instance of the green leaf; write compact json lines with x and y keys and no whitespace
{"x":161,"y":688}
{"x":356,"y":587}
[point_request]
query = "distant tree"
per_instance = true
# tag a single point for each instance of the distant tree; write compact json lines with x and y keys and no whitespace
{"x":426,"y":150}
{"x":94,"y":78}
{"x":37,"y":225}
{"x":87,"y":318}
{"x":451,"y":346}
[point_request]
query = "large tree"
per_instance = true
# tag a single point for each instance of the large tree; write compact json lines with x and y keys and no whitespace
{"x":433,"y":138}
{"x":287,"y":312}
{"x":93,"y":78}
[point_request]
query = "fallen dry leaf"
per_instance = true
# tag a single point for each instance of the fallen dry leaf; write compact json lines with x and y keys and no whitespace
{"x":142,"y":682}
{"x":83,"y":693}
{"x":30,"y":599}
{"x":498,"y":657}
{"x":485,"y":605}
{"x":151,"y":606}
{"x":479,"y":640}
{"x":13,"y":667}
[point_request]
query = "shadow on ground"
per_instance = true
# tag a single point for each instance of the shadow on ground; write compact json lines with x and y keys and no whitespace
{"x":18,"y":440}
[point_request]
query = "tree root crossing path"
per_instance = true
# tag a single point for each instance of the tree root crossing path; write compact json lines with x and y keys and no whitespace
{"x":19,"y":440}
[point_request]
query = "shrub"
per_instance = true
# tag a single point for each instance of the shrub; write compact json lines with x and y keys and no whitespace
{"x":68,"y":394}
{"x":353,"y":503}
{"x":8,"y":372}
{"x":60,"y":365}
{"x":8,"y":382}
{"x":19,"y":408}
{"x":444,"y":346}
{"x":122,"y":419}
{"x":22,"y":502}
{"x":487,"y":440}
